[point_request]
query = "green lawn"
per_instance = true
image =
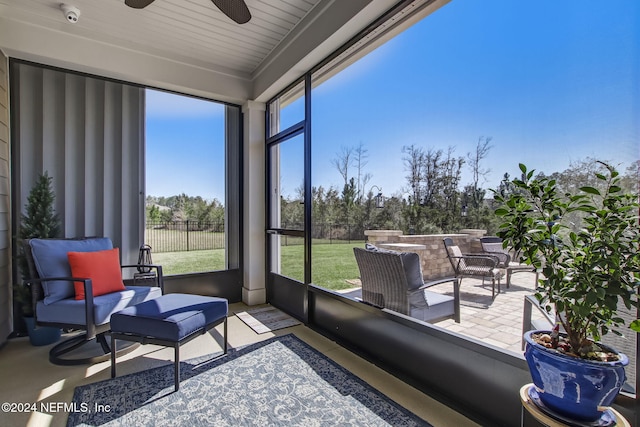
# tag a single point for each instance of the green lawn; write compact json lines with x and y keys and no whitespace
{"x":333,"y":263}
{"x":189,"y":261}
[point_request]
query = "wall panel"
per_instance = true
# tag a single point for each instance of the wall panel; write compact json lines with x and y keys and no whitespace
{"x":87,"y":134}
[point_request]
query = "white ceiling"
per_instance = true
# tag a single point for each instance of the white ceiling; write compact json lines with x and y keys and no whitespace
{"x":189,"y":31}
{"x":186,"y":45}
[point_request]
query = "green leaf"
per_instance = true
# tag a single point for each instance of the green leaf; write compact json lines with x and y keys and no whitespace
{"x":615,"y":189}
{"x":590,"y":190}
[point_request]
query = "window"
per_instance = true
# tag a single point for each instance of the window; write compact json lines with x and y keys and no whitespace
{"x":185,"y":182}
{"x":437,"y":117}
{"x":286,"y":197}
{"x":287,"y":191}
{"x":287,"y":110}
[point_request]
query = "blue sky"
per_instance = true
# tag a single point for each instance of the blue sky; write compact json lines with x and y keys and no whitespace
{"x":549,"y":81}
{"x":184,"y":146}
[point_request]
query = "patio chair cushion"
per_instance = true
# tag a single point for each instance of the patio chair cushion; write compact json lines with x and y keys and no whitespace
{"x":170,"y":317}
{"x":430,"y":305}
{"x":493,"y":245}
{"x":455,"y":251}
{"x":50,"y":260}
{"x":410,"y":263}
{"x":73,"y":311}
{"x":102,"y":267}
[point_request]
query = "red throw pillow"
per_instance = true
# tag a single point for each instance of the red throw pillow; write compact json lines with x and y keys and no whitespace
{"x":102,"y":267}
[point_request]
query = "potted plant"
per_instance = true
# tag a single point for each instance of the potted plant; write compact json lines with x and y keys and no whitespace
{"x":38,"y":336}
{"x":39,"y":221}
{"x":587,"y":271}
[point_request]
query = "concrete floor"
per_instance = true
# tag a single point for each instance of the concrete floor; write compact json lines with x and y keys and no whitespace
{"x":28,"y":377}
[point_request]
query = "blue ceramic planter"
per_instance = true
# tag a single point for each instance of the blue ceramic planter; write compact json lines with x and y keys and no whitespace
{"x":575,"y":388}
{"x":42,"y":335}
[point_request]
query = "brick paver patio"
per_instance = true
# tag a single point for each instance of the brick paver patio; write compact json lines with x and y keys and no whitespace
{"x":499,"y":322}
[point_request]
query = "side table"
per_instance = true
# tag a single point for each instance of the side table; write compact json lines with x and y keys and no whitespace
{"x":547,"y":420}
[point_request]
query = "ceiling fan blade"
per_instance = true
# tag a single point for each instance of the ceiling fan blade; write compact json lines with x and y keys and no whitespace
{"x":234,"y":9}
{"x":138,"y":4}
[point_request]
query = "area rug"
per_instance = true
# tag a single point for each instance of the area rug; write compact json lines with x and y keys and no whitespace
{"x":278,"y":382}
{"x":266,"y":319}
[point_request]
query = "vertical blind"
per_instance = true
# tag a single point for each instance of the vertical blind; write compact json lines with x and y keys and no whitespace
{"x":88,"y":135}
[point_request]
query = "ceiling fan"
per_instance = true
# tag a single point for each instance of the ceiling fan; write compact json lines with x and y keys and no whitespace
{"x":237,"y":10}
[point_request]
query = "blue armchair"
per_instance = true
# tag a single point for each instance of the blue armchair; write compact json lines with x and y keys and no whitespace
{"x":54,"y":297}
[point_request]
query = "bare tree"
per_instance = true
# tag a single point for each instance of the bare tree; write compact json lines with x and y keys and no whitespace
{"x":342,"y":162}
{"x":483,"y":146}
{"x":361,"y":155}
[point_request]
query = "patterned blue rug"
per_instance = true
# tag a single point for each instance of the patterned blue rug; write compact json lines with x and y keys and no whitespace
{"x":278,"y":382}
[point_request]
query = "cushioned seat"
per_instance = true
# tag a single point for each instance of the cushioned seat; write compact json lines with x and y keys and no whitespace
{"x":73,"y":311}
{"x":171,"y":317}
{"x":393,"y":280}
{"x":432,"y":306}
{"x":169,"y":320}
{"x":77,"y":284}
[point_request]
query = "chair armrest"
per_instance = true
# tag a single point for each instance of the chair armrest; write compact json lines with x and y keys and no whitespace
{"x":88,"y":300}
{"x":456,"y":293}
{"x":504,"y":258}
{"x":431,"y":283}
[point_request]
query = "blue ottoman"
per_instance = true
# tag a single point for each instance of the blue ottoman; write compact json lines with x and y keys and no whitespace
{"x":169,"y":320}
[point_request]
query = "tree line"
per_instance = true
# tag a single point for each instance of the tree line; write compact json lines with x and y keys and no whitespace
{"x":433,"y":199}
{"x":430,"y":202}
{"x":184,"y":208}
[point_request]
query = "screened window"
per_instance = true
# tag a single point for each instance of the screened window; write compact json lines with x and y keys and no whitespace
{"x":440,"y":115}
{"x":185,"y":182}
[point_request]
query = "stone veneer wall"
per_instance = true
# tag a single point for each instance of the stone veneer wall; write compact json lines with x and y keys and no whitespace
{"x":429,"y":247}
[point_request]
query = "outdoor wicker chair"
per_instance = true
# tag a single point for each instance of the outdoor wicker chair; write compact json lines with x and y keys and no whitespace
{"x":481,"y":266}
{"x":492,"y":245}
{"x":393,"y":280}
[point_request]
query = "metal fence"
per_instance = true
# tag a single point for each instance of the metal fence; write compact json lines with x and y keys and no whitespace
{"x":326,"y":232}
{"x":176,"y":236}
